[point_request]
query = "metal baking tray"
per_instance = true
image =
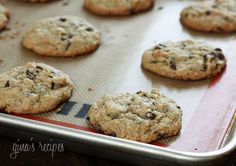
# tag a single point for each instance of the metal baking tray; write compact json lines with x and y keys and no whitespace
{"x":208,"y":134}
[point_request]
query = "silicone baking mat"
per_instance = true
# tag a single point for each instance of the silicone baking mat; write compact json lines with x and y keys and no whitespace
{"x":208,"y":105}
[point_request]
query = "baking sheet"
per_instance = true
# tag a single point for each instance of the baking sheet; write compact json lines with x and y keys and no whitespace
{"x":115,"y":66}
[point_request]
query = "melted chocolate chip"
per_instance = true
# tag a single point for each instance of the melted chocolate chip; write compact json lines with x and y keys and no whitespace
{"x":63,"y":38}
{"x":89,"y":29}
{"x":39,"y":68}
{"x":52,"y":85}
{"x":62,"y":19}
{"x":7,"y":84}
{"x":173,"y":64}
{"x":221,"y":56}
{"x":153,"y":61}
{"x":218,"y":29}
{"x":68,"y":45}
{"x":150,"y":115}
{"x":30,"y":74}
{"x":208,"y":12}
{"x":70,"y":36}
{"x":138,"y":92}
{"x":160,"y":136}
{"x":218,"y":49}
{"x":204,"y":67}
{"x":157,"y":48}
{"x":162,"y":45}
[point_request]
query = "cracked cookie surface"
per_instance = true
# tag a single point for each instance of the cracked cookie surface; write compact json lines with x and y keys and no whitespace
{"x":185,"y":60}
{"x":64,"y":36}
{"x":117,"y":7}
{"x":4,"y":16}
{"x":143,"y":116}
{"x":219,"y":16}
{"x":33,"y":88}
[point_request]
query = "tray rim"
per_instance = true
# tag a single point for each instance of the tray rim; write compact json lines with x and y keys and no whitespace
{"x":121,"y":145}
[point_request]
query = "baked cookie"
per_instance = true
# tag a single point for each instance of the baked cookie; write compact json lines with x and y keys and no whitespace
{"x":33,"y":88}
{"x":36,"y":1}
{"x":65,"y":36}
{"x":4,"y":16}
{"x":143,"y":116}
{"x":117,"y":7}
{"x":219,"y":16}
{"x":185,"y":60}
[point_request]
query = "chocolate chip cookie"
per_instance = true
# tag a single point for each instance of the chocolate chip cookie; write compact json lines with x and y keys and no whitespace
{"x":33,"y":88}
{"x":117,"y":7}
{"x":64,"y":36}
{"x":4,"y":17}
{"x":143,"y":116}
{"x":219,"y":16}
{"x":36,"y":1}
{"x":185,"y":60}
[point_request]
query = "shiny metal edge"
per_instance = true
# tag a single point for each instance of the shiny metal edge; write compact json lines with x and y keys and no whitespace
{"x":117,"y":144}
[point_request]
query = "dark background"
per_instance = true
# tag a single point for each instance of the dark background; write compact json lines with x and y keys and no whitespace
{"x":65,"y":158}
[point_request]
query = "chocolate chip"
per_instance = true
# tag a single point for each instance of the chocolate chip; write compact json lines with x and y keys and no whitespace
{"x":205,"y":57}
{"x":160,"y":136}
{"x":62,"y":19}
{"x":7,"y":84}
{"x":52,"y":85}
{"x":89,"y":29}
{"x":39,"y":67}
{"x":173,"y":64}
{"x":186,"y":15}
{"x":221,"y":56}
{"x":218,"y":29}
{"x":68,"y":45}
{"x":154,"y":103}
{"x":153,"y":61}
{"x":150,"y":115}
{"x":138,"y":92}
{"x":208,"y":12}
{"x":157,"y":48}
{"x":144,"y":94}
{"x":30,"y":74}
{"x":162,"y":45}
{"x":204,"y":67}
{"x":70,"y":36}
{"x":218,"y":49}
{"x":63,"y":38}
{"x":87,"y":118}
{"x":178,"y":107}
